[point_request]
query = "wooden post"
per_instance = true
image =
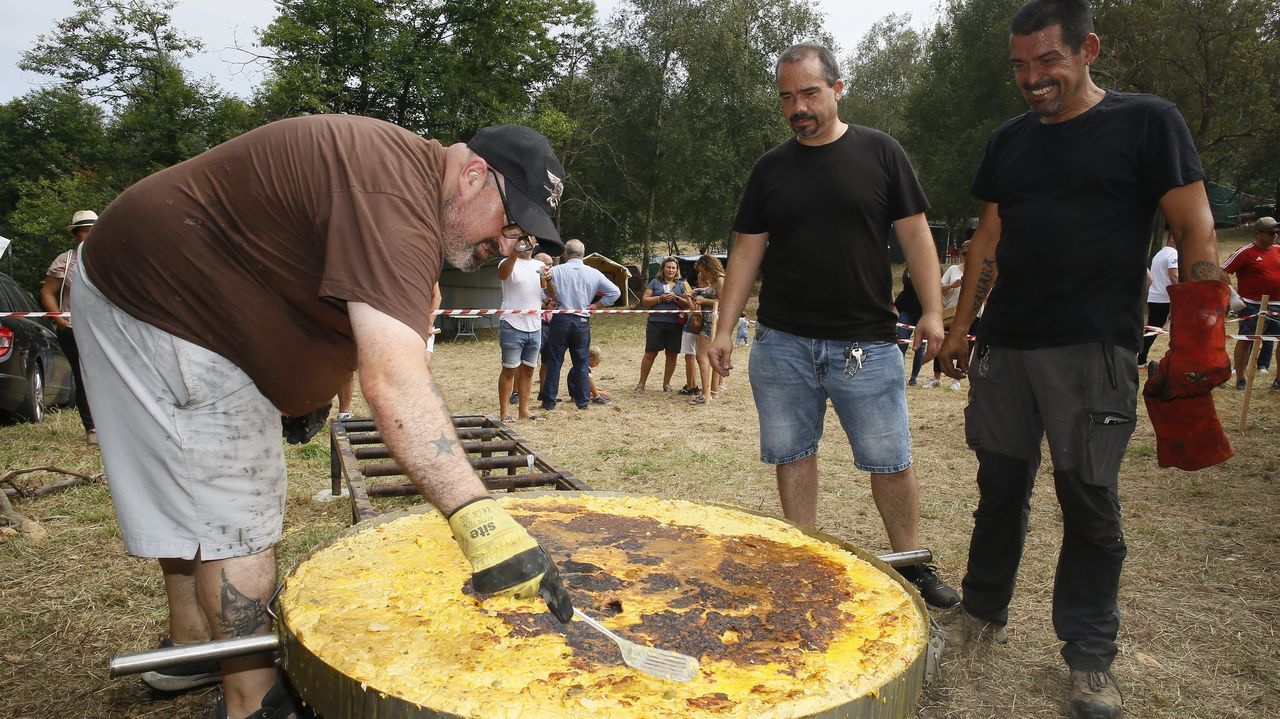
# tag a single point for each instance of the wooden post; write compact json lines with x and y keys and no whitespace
{"x":1250,"y":367}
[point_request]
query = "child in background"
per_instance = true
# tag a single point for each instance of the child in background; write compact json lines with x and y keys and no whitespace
{"x":743,"y":325}
{"x":598,"y":396}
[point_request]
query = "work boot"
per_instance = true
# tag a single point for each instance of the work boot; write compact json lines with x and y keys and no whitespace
{"x":1094,"y":695}
{"x":959,"y":628}
{"x":277,"y":704}
{"x":936,"y":592}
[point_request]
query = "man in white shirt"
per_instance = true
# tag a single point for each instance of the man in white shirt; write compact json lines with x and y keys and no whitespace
{"x":1164,"y":272}
{"x":520,"y":335}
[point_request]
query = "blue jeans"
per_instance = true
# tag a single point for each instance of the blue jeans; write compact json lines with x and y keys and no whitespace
{"x":571,"y":333}
{"x":518,"y":347}
{"x":1270,"y":326}
{"x":793,"y":377}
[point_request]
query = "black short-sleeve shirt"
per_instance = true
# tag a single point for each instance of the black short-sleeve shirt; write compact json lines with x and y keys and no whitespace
{"x":1076,"y":202}
{"x":828,"y":211}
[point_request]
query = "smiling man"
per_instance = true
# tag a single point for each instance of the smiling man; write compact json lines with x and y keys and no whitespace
{"x":252,"y":280}
{"x":1074,"y":184}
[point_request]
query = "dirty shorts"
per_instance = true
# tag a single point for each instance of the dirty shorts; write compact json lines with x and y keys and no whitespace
{"x":191,"y":448}
{"x":792,"y":378}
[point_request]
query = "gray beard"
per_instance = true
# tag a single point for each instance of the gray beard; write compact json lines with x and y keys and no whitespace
{"x":458,"y":250}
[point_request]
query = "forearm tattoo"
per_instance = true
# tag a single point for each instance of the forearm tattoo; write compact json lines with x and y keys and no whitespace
{"x":985,"y":276}
{"x":240,"y":615}
{"x":444,"y":445}
{"x":1204,"y":270}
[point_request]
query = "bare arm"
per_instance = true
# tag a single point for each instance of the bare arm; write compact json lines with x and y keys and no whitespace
{"x":748,"y":252}
{"x":979,"y":277}
{"x":508,"y":265}
{"x":1187,"y":209}
{"x":409,"y":408}
{"x":922,"y":262}
{"x":49,"y":292}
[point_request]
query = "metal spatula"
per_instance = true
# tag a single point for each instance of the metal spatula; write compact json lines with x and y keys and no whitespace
{"x":658,"y":662}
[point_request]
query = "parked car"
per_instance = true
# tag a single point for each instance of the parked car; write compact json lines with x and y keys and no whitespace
{"x":34,"y":374}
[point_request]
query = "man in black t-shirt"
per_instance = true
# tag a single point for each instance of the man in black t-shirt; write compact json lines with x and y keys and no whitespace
{"x":1074,"y":185}
{"x":814,"y":217}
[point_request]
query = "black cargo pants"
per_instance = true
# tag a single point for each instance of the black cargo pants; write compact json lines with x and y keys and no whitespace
{"x":1084,"y":399}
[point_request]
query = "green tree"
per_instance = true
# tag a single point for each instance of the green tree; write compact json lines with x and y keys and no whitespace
{"x":443,"y":67}
{"x":1218,"y":60}
{"x":39,"y":222}
{"x":880,"y":74}
{"x":671,"y":115}
{"x":47,"y":133}
{"x":126,"y":54}
{"x":964,"y":92}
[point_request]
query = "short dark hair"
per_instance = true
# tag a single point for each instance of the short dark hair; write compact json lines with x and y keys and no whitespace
{"x":1073,"y":16}
{"x":805,"y":50}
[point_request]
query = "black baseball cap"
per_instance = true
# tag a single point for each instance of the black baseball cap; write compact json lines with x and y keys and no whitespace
{"x":534,"y":178}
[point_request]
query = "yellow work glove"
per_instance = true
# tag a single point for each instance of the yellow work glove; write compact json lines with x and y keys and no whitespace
{"x":505,"y":558}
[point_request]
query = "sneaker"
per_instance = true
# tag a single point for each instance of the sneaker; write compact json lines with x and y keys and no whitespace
{"x":1264,"y":370}
{"x":1275,"y":384}
{"x":343,"y":416}
{"x":1094,"y":695}
{"x":955,"y":385}
{"x":958,"y":628}
{"x":935,"y":382}
{"x":91,"y":437}
{"x":182,"y":678}
{"x":1241,"y":383}
{"x":601,"y":400}
{"x":911,"y":382}
{"x":277,"y":704}
{"x":514,"y":398}
{"x":936,"y":592}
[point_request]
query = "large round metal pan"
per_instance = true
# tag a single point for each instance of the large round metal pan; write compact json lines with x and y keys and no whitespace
{"x":334,"y":695}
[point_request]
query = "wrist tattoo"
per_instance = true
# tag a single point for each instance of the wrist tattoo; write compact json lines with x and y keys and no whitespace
{"x":1204,"y":270}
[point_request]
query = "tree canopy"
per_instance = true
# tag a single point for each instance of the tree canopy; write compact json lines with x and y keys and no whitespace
{"x":658,"y":111}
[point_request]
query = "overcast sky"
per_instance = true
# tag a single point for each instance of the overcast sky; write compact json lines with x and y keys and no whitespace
{"x":225,"y":24}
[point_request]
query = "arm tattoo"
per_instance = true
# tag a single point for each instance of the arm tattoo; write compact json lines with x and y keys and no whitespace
{"x":984,"y":280}
{"x":444,"y":446}
{"x":1204,"y":270}
{"x":240,"y":615}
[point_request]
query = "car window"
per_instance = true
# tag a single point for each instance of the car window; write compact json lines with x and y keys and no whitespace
{"x":13,"y":298}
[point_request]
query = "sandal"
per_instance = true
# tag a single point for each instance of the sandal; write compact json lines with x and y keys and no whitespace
{"x":666,"y":388}
{"x":698,"y":400}
{"x":639,"y":388}
{"x":508,"y":418}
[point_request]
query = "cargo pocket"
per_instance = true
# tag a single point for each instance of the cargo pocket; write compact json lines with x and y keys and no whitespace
{"x":1106,"y":434}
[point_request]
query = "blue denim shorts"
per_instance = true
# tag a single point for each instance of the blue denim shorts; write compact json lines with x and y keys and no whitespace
{"x":518,"y":347}
{"x":793,"y":377}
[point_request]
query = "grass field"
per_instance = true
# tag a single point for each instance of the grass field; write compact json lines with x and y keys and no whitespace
{"x":1199,"y":601}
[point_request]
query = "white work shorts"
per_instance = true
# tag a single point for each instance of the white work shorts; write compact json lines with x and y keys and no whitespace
{"x":191,"y":448}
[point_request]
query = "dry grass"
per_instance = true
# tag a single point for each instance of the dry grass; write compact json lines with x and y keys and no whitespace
{"x":1199,"y":605}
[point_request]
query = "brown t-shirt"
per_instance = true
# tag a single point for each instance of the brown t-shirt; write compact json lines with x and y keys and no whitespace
{"x":252,"y":249}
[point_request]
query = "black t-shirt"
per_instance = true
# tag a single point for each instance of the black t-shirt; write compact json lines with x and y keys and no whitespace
{"x":1077,"y":200}
{"x":828,"y":210}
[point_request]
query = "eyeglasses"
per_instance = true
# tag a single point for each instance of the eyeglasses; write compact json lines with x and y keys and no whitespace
{"x":511,"y":231}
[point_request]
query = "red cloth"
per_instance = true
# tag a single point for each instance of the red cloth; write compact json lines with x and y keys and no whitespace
{"x":1188,"y":433}
{"x":1197,"y":359}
